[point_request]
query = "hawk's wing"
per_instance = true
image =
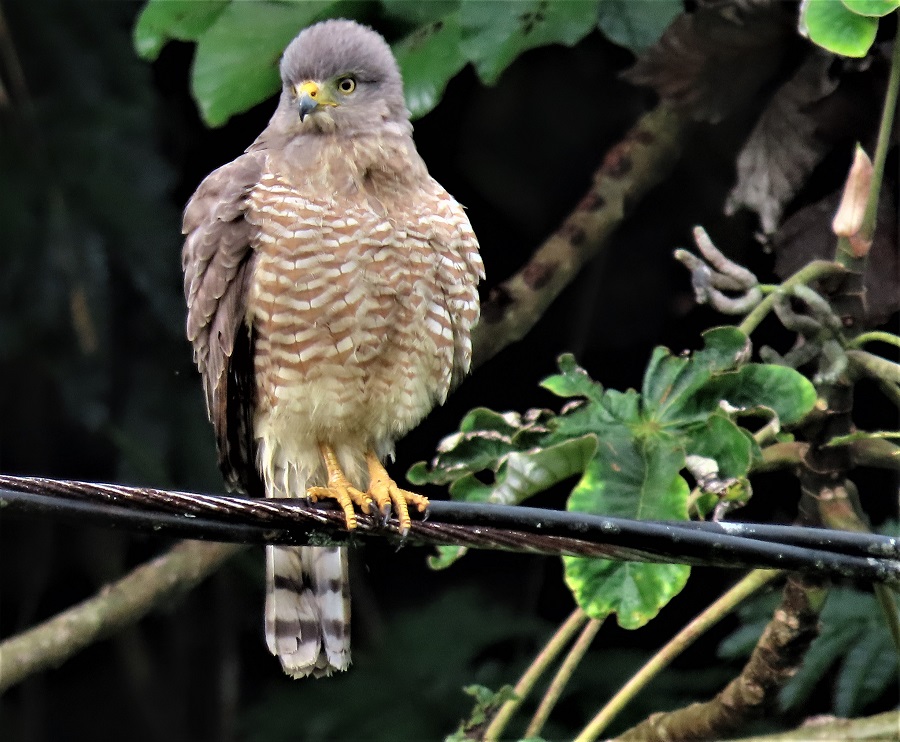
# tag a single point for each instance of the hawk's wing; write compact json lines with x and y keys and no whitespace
{"x":459,"y":271}
{"x":217,"y":260}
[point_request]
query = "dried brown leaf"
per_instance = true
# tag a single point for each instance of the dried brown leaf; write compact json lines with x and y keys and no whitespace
{"x":716,"y":58}
{"x":785,"y":145}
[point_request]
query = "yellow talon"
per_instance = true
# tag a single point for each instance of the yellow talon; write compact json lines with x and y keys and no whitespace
{"x":384,"y":492}
{"x":340,"y":489}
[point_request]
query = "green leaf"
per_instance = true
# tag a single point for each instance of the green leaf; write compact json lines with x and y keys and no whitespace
{"x":635,"y":592}
{"x":721,"y":439}
{"x":487,"y":702}
{"x":446,"y":555}
{"x":789,"y":394}
{"x":631,"y":478}
{"x":833,"y":26}
{"x":485,"y":439}
{"x":724,"y":348}
{"x":572,"y":381}
{"x":873,"y":8}
{"x":495,"y":34}
{"x":236,"y":64}
{"x":672,"y":383}
{"x":636,"y":24}
{"x":182,"y":20}
{"x":634,"y":477}
{"x":429,"y":58}
{"x":417,"y":12}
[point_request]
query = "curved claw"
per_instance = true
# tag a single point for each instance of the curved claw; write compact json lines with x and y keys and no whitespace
{"x":388,"y":496}
{"x":340,"y":489}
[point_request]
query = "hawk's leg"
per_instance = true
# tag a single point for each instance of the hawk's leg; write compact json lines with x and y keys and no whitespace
{"x":339,"y":488}
{"x":385,"y":492}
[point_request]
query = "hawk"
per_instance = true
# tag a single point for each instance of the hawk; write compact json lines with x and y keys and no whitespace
{"x":331,"y":288}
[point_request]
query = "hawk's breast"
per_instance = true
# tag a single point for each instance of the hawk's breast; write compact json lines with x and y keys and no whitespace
{"x":354,"y":337}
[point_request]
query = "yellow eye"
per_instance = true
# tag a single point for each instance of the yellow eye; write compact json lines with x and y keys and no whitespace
{"x":347,"y":85}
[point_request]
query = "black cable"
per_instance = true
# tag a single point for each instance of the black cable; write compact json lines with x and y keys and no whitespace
{"x":477,"y":525}
{"x":844,"y":542}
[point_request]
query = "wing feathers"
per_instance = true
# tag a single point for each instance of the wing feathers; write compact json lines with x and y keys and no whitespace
{"x":217,"y":260}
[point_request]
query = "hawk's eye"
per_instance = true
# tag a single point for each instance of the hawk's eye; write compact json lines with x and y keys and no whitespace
{"x":347,"y":85}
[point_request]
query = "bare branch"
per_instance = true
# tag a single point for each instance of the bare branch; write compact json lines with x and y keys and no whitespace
{"x":776,"y":658}
{"x":630,"y":169}
{"x":114,"y":607}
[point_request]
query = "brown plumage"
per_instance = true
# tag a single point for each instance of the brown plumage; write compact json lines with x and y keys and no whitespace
{"x":331,"y":291}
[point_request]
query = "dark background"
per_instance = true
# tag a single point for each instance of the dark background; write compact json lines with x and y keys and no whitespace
{"x":98,"y":384}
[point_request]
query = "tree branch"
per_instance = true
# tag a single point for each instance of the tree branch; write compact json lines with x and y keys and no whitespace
{"x":128,"y":600}
{"x":774,"y":661}
{"x":879,"y":728}
{"x":630,"y":169}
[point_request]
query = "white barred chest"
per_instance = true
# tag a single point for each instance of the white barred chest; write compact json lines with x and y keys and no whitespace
{"x":354,"y":337}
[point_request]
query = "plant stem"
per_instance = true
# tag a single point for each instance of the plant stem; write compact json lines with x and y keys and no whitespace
{"x":875,"y":336}
{"x":549,"y":653}
{"x":708,"y":618}
{"x":891,"y":390}
{"x":881,"y":149}
{"x":875,"y":366}
{"x":809,"y":273}
{"x":562,"y":677}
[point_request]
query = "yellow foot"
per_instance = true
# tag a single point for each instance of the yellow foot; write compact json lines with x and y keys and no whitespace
{"x":384,"y":492}
{"x":340,"y":489}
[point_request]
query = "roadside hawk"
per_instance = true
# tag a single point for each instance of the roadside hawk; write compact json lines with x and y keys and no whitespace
{"x":331,"y":286}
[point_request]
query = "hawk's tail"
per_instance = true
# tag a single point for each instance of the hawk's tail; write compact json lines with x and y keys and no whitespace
{"x":308,"y":609}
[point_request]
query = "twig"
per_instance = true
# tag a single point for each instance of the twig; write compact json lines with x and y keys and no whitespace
{"x":537,"y":668}
{"x":875,"y":366}
{"x":630,"y":169}
{"x":114,"y":607}
{"x":562,"y":677}
{"x":808,"y":274}
{"x":875,"y":336}
{"x":687,"y":636}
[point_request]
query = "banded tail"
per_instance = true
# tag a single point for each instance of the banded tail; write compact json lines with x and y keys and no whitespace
{"x":308,"y":609}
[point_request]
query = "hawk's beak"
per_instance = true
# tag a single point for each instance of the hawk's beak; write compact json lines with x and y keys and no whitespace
{"x":310,"y":96}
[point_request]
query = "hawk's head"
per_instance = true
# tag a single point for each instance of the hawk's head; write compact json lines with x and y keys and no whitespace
{"x":341,"y":76}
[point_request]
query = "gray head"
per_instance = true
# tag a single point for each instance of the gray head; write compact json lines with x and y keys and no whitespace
{"x":339,"y":76}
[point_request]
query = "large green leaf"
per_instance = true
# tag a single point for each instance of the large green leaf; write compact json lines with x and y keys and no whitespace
{"x":671,"y":383}
{"x":182,"y":20}
{"x":630,"y":477}
{"x":236,"y":65}
{"x":495,"y":33}
{"x":784,"y":391}
{"x":832,"y":25}
{"x":874,"y":8}
{"x":429,"y":58}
